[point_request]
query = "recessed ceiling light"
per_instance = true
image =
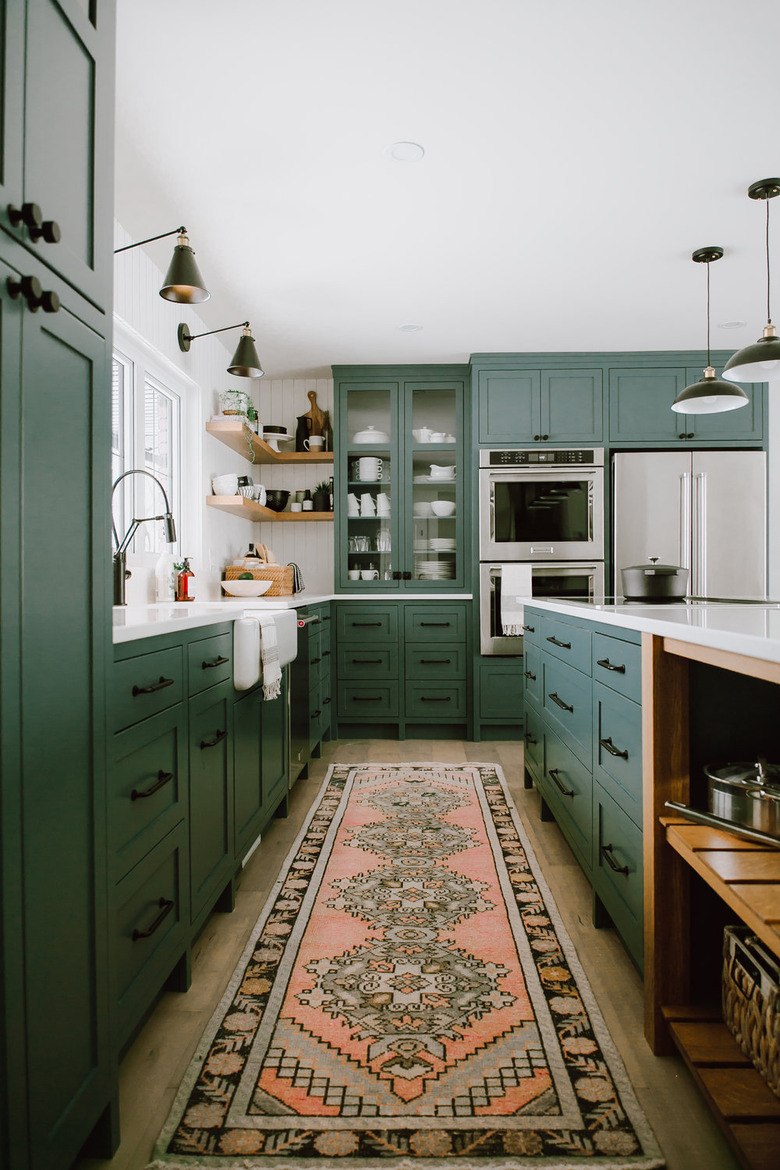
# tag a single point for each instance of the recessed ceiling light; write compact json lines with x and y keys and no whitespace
{"x":732,"y":324}
{"x":405,"y":152}
{"x":409,"y":328}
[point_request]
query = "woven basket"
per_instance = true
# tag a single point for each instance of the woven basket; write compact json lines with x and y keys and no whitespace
{"x":280,"y":575}
{"x":751,"y":1001}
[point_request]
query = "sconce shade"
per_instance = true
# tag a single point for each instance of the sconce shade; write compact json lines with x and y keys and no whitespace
{"x":246,"y":361}
{"x":759,"y":362}
{"x":710,"y":395}
{"x":183,"y":282}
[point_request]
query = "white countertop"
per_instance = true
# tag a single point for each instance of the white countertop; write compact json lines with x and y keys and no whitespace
{"x":751,"y":629}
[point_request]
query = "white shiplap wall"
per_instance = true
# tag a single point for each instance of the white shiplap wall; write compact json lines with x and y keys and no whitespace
{"x":215,"y":538}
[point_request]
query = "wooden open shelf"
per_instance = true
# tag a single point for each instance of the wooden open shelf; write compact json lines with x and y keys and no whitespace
{"x":241,"y":439}
{"x":251,"y":510}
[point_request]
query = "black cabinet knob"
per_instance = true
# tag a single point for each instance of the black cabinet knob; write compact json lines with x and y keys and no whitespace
{"x":396,"y":574}
{"x":406,"y":576}
{"x":545,"y":438}
{"x":30,"y":288}
{"x":537,"y":438}
{"x":30,"y":215}
{"x":49,"y":232}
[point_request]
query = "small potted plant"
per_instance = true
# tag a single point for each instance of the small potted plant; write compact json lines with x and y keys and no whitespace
{"x":321,"y":497}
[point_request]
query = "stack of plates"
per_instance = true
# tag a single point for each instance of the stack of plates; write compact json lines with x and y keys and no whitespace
{"x":435,"y":571}
{"x":421,"y":546}
{"x":442,"y":544}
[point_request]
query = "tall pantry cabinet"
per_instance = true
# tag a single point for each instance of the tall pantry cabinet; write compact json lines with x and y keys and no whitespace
{"x":57,"y":1080}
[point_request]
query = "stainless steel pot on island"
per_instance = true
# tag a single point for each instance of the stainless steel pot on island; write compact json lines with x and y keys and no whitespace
{"x":746,"y":793}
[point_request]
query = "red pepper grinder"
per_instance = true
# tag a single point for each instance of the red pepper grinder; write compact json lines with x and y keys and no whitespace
{"x":183,"y":582}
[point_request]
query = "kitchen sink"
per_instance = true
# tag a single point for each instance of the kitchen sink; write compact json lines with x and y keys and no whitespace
{"x":286,"y":621}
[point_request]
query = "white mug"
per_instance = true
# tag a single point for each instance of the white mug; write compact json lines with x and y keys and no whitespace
{"x":369,"y":574}
{"x":367,"y":506}
{"x":314,"y":443}
{"x":353,"y":574}
{"x":369,"y":468}
{"x":353,"y":504}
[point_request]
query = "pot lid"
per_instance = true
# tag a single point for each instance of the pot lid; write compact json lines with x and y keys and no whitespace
{"x":744,"y":775}
{"x":371,"y":435}
{"x":653,"y":569}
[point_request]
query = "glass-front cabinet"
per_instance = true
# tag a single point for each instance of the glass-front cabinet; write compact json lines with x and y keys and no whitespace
{"x":400,"y":482}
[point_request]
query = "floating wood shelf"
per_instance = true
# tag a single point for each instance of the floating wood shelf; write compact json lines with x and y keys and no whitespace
{"x":241,"y":439}
{"x":250,"y":510}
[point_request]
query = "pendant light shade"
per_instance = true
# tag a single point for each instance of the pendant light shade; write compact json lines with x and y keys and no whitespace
{"x":183,"y":282}
{"x":245,"y":362}
{"x":759,"y":362}
{"x":710,"y":395}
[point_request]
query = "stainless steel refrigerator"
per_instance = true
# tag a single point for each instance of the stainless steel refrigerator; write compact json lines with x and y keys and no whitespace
{"x":703,"y":510}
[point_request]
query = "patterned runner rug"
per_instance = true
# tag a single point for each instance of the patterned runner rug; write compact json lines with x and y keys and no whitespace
{"x":408,"y":996}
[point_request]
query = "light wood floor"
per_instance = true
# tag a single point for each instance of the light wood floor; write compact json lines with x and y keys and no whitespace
{"x":153,"y":1068}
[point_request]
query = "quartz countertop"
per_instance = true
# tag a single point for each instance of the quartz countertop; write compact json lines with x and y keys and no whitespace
{"x":749,"y":627}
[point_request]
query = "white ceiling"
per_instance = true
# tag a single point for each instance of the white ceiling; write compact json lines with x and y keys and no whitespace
{"x":576,"y":152}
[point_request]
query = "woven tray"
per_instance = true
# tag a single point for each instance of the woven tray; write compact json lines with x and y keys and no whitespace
{"x":751,"y":1001}
{"x":280,"y":575}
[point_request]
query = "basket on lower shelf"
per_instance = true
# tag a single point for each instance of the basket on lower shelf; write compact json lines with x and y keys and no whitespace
{"x":751,"y":1001}
{"x":280,"y":575}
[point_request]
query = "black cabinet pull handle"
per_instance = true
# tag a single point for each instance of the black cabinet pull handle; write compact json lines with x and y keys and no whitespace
{"x":163,"y":778}
{"x":608,"y":745}
{"x":537,"y":438}
{"x":29,"y":214}
{"x":560,"y":702}
{"x":160,"y":685}
{"x":530,"y":629}
{"x":435,"y":623}
{"x":33,"y":292}
{"x":367,"y":698}
{"x":166,"y":905}
{"x":563,"y":645}
{"x":530,"y":738}
{"x":328,"y":700}
{"x":605,"y":662}
{"x":358,"y":625}
{"x":606,"y":853}
{"x":545,"y":438}
{"x":435,"y":661}
{"x":555,"y":776}
{"x":314,"y":661}
{"x":436,"y":698}
{"x":316,"y":714}
{"x":325,"y":653}
{"x":209,"y":743}
{"x":220,"y":661}
{"x":396,"y":574}
{"x":366,"y":661}
{"x":528,"y":674}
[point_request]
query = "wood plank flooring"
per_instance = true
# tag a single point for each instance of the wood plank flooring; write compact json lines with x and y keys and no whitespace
{"x":153,"y":1068}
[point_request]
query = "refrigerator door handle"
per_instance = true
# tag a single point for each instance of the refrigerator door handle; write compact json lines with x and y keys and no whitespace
{"x":684,"y":521}
{"x":699,"y":581}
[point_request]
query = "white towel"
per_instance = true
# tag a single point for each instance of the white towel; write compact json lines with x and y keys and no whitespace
{"x":515,"y":588}
{"x":246,"y":653}
{"x":269,"y":656}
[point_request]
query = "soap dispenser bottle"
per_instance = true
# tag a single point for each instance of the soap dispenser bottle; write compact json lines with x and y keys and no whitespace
{"x":184,"y":582}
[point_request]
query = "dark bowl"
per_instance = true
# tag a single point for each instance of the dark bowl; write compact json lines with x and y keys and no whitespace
{"x":275,"y":430}
{"x":276,"y":499}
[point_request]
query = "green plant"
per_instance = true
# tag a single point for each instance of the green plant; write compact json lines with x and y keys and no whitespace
{"x":322,"y":487}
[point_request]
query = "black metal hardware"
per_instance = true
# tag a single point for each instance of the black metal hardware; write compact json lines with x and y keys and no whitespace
{"x":33,"y":292}
{"x":530,"y":629}
{"x":537,"y":438}
{"x":158,"y":686}
{"x":328,"y":700}
{"x":605,"y":662}
{"x":366,"y":661}
{"x":435,"y":661}
{"x":563,"y":645}
{"x":358,"y":624}
{"x":406,"y":575}
{"x":316,"y":714}
{"x":606,"y":852}
{"x":367,"y":698}
{"x":314,"y":661}
{"x":29,"y":214}
{"x":554,"y":774}
{"x":49,"y":232}
{"x":435,"y":623}
{"x":530,"y":738}
{"x":325,"y":653}
{"x":396,"y":574}
{"x":166,"y":905}
{"x":545,"y":438}
{"x":527,"y":674}
{"x":560,"y":702}
{"x":209,"y":743}
{"x":163,"y":778}
{"x":608,"y":745}
{"x":220,"y":661}
{"x":686,"y":435}
{"x":436,"y":698}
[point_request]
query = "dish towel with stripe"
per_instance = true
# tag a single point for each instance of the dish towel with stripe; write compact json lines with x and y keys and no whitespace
{"x":269,"y":656}
{"x":515,"y":588}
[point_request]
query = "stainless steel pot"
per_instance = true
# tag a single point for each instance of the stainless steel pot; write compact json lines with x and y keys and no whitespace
{"x":748,"y":794}
{"x":654,"y":582}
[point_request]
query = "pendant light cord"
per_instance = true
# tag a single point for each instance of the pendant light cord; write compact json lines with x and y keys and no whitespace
{"x":768,"y":312}
{"x":709,"y":363}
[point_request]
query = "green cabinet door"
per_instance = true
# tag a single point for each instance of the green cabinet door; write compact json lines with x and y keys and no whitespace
{"x":211,"y":797}
{"x":509,"y":406}
{"x":247,"y":770}
{"x":274,"y":751}
{"x":572,"y":406}
{"x":640,"y":405}
{"x":744,"y":423}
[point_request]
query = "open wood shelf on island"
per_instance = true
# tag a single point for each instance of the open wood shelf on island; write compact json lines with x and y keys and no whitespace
{"x":241,"y":439}
{"x":250,"y":510}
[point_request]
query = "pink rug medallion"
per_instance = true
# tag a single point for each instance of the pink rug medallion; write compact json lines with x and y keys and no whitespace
{"x":408,"y":996}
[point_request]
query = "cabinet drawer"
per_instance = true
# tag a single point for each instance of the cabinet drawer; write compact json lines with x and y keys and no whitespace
{"x":367,"y":623}
{"x":358,"y":661}
{"x":147,"y":787}
{"x":617,"y":869}
{"x":570,"y":787}
{"x":146,"y":684}
{"x":618,"y":664}
{"x":532,"y":627}
{"x":567,"y":704}
{"x":378,"y":699}
{"x":534,"y":743}
{"x":436,"y":661}
{"x":617,"y":749}
{"x":532,"y":672}
{"x":210,"y":662}
{"x":434,"y":701}
{"x":569,"y":643}
{"x":435,"y":623}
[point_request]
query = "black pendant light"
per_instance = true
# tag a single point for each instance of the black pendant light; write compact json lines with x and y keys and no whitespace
{"x":183,"y":282}
{"x":759,"y":362}
{"x":245,"y":363}
{"x":710,"y":395}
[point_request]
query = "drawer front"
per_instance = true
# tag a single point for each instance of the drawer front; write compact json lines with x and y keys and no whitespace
{"x":617,"y":869}
{"x":145,"y":685}
{"x":532,"y":673}
{"x":532,"y":627}
{"x":569,"y":643}
{"x":534,"y":743}
{"x":367,"y":624}
{"x":435,"y":623}
{"x":570,"y":786}
{"x":617,"y":749}
{"x":210,"y":661}
{"x":567,"y":704}
{"x":434,"y":701}
{"x":435,"y":661}
{"x":356,"y":660}
{"x":618,"y":664}
{"x":147,"y":787}
{"x":377,"y":699}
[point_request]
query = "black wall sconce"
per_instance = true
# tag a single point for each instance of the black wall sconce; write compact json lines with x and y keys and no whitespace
{"x":183,"y":282}
{"x":245,"y":363}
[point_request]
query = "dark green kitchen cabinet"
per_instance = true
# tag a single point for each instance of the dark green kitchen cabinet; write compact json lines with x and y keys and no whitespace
{"x":260,"y":767}
{"x":211,"y":797}
{"x":516,"y":405}
{"x":500,"y":696}
{"x":640,"y":410}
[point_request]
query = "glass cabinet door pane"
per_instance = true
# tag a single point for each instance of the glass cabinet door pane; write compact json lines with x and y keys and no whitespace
{"x":372,"y":524}
{"x":433,"y":421}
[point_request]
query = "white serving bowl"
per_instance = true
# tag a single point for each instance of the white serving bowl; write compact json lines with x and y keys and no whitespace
{"x":423,"y":508}
{"x":246,"y":588}
{"x":224,"y":485}
{"x":443,"y":507}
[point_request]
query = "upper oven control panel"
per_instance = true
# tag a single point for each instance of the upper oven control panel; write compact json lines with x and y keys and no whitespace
{"x":524,"y":457}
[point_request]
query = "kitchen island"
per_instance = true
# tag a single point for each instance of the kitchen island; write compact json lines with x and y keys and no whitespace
{"x":709,"y":678}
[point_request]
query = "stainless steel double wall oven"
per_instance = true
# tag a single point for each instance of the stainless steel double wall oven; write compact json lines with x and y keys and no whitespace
{"x":543,"y":508}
